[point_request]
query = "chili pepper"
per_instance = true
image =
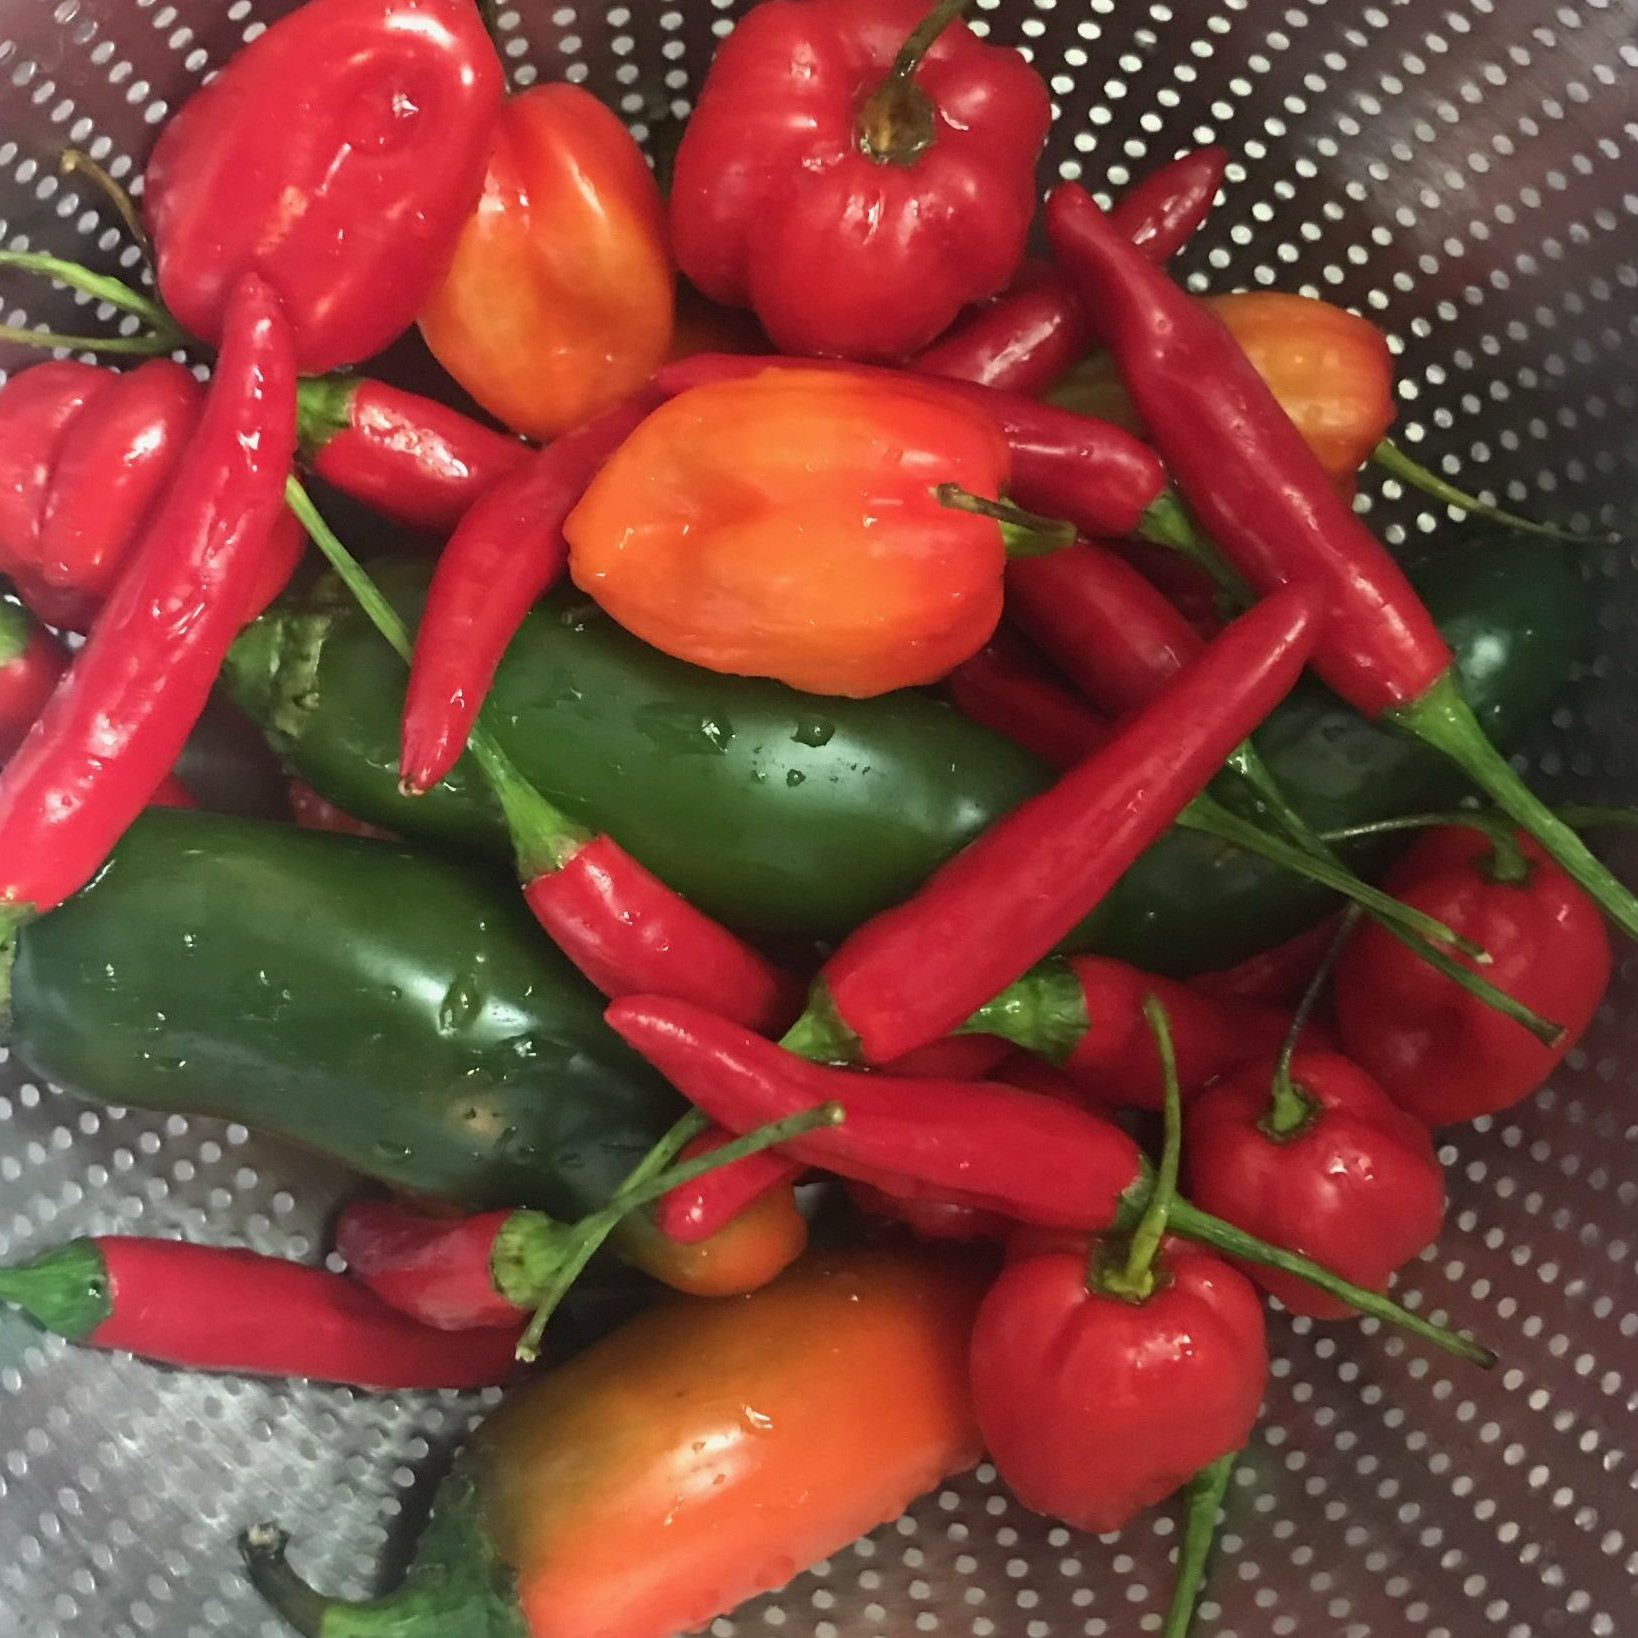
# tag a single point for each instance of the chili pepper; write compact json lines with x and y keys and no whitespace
{"x":837,"y":808}
{"x":507,"y":552}
{"x":931,"y":1221}
{"x":1026,"y":340}
{"x":313,"y":812}
{"x":220,"y":1308}
{"x":558,"y":301}
{"x":920,"y":970}
{"x":1006,"y":689}
{"x":1273,"y":976}
{"x":336,"y":156}
{"x":1434,"y":1051}
{"x":410,"y":458}
{"x":116,"y":724}
{"x":37,"y":405}
{"x":856,"y":199}
{"x":789,"y":525}
{"x":843,"y":1383}
{"x":1264,"y":499}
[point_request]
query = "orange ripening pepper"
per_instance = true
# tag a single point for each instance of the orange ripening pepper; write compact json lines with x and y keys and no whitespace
{"x":1330,"y":369}
{"x":558,"y":302}
{"x":786,"y":525}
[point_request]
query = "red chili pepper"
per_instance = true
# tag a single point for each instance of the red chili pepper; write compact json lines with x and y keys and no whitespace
{"x":1006,"y":689}
{"x":217,"y":1308}
{"x":117,"y":723}
{"x":1027,"y":340}
{"x":313,"y":812}
{"x":935,"y":1221}
{"x":1273,"y":977}
{"x":410,"y":458}
{"x":1435,"y":1050}
{"x":1329,"y":1167}
{"x":37,"y":406}
{"x":506,"y":554}
{"x":857,"y":175}
{"x":337,"y":156}
{"x":1269,"y":505}
{"x":922,"y":969}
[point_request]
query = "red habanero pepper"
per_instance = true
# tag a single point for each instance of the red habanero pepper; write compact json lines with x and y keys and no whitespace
{"x":1273,"y":977}
{"x":219,"y":1308}
{"x":132,"y":696}
{"x":505,"y":554}
{"x":1268,"y":504}
{"x":410,"y":458}
{"x":1436,"y":1051}
{"x":1028,"y":339}
{"x":37,"y":406}
{"x":337,"y":156}
{"x":857,"y":173}
{"x":1004,"y":687}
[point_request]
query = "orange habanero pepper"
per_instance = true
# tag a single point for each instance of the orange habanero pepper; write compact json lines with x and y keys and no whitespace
{"x":558,"y":302}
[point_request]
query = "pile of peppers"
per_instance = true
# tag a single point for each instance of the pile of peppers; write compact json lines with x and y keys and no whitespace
{"x":878,"y":586}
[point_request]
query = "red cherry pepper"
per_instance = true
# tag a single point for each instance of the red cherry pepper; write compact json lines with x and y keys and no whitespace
{"x":410,"y":458}
{"x":1334,"y":1170}
{"x":1028,"y":339}
{"x":37,"y":405}
{"x":1436,"y":1051}
{"x":854,"y":177}
{"x":217,"y":1308}
{"x":1004,"y":687}
{"x":1269,"y":505}
{"x":117,"y":723}
{"x":337,"y":156}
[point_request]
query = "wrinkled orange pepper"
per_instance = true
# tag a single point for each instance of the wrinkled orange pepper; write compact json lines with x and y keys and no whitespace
{"x":558,"y":302}
{"x":1330,"y":369}
{"x":786,"y":525}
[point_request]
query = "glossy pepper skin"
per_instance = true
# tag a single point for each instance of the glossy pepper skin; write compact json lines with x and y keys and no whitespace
{"x":699,"y":1455}
{"x":558,"y":301}
{"x":337,"y":156}
{"x":1007,"y":688}
{"x":1437,"y":1053}
{"x":786,"y":526}
{"x":1095,"y":1407}
{"x":853,"y":223}
{"x":221,"y":1308}
{"x":114,"y":728}
{"x":1331,"y":370}
{"x":1356,"y":1186}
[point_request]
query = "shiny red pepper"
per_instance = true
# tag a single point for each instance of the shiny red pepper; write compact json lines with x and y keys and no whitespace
{"x":1028,"y":339}
{"x":857,"y":195}
{"x":1271,"y":508}
{"x":1435,"y":1050}
{"x":1004,"y":687}
{"x":216,"y":1308}
{"x":1330,"y":1168}
{"x":114,"y":728}
{"x":337,"y":156}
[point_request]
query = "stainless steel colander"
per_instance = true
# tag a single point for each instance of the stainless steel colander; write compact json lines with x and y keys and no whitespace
{"x":1463,"y":171}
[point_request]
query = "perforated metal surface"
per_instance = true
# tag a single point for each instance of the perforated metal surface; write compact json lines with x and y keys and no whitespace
{"x":1463,"y":172}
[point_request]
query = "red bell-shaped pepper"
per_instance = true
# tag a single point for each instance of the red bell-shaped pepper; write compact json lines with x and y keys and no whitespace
{"x":338,"y":157}
{"x":855,"y":193}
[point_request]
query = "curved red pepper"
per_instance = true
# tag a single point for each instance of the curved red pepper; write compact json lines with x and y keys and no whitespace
{"x":337,"y":156}
{"x":1436,"y":1050}
{"x":1356,"y":1186}
{"x":1273,"y":977}
{"x":856,"y":215}
{"x":1004,"y":687}
{"x":116,"y":725}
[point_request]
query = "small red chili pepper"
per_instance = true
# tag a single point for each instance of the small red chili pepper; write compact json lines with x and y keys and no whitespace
{"x":219,"y":1308}
{"x":120,"y":718}
{"x":337,"y":157}
{"x":857,"y":173}
{"x":935,"y":1221}
{"x":1028,"y":339}
{"x":507,"y":552}
{"x":313,"y":812}
{"x":1269,"y":505}
{"x":1004,"y":687}
{"x":1273,"y":977}
{"x":410,"y":458}
{"x":1437,"y":1052}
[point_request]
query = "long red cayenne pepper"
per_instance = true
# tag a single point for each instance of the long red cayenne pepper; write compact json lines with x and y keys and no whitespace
{"x":217,"y":1308}
{"x":1004,"y":687}
{"x":1027,"y":340}
{"x":114,"y":728}
{"x":920,"y":970}
{"x":1264,"y":499}
{"x":506,"y":554}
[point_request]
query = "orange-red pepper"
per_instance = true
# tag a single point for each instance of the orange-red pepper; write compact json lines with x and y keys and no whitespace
{"x":558,"y":302}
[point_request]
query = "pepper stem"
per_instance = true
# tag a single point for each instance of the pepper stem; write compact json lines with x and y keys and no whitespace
{"x":65,"y":1290}
{"x":101,"y":285}
{"x":820,"y":1034}
{"x":74,"y":161}
{"x":1205,"y":1500}
{"x":896,"y":123}
{"x":146,"y":345}
{"x":1167,"y":522}
{"x":1443,"y":719}
{"x":1025,"y":534}
{"x":920,"y":39}
{"x":1394,"y":461}
{"x":1290,"y":1108}
{"x":263,"y":1548}
{"x":1508,"y":862}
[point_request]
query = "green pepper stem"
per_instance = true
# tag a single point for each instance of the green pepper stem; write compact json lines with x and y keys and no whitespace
{"x":76,"y":162}
{"x":820,"y":1034}
{"x":263,"y":1548}
{"x":1290,"y":1108}
{"x":1394,"y":461}
{"x":101,"y":285}
{"x":64,"y":1290}
{"x":146,"y":345}
{"x":1508,"y":863}
{"x":1025,"y":534}
{"x":898,"y":122}
{"x":921,"y":38}
{"x":1167,"y":522}
{"x":1205,"y":1500}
